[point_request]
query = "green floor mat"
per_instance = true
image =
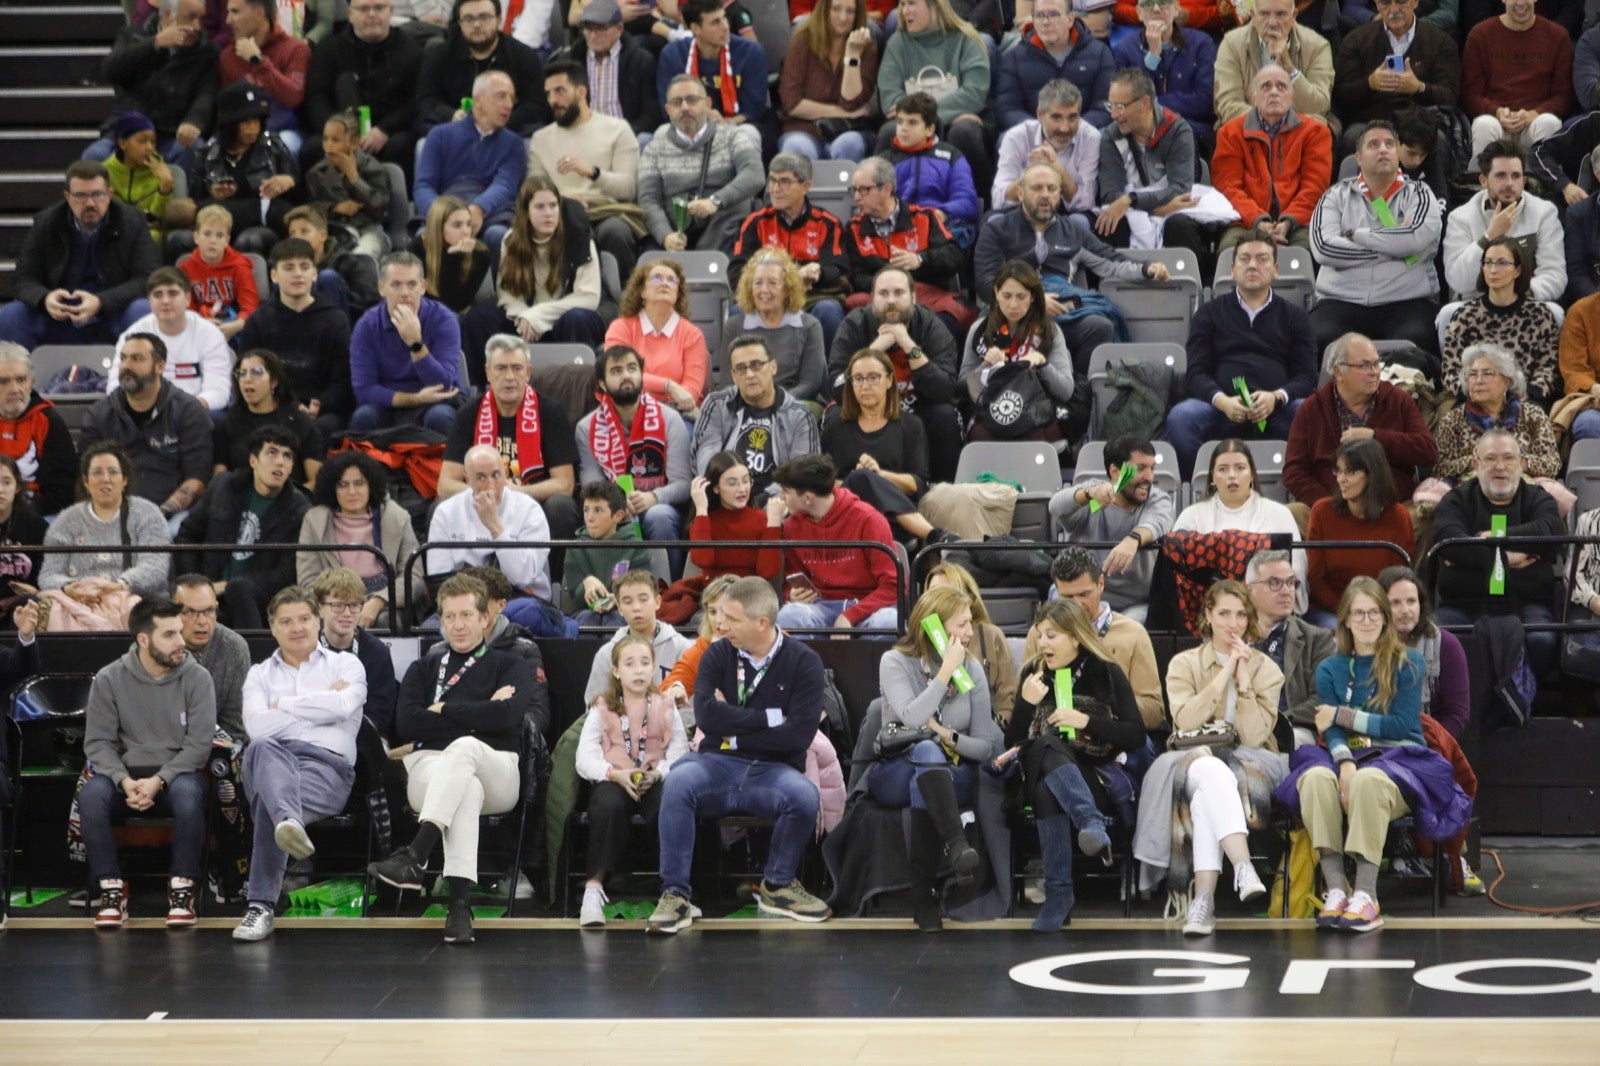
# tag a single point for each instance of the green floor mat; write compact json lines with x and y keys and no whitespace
{"x":438,"y":911}
{"x":19,"y":897}
{"x":629,"y":910}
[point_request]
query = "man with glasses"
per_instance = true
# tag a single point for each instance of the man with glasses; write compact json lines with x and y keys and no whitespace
{"x":223,"y":653}
{"x":754,"y":418}
{"x":1355,"y":404}
{"x":732,"y":68}
{"x":699,"y":179}
{"x":1295,"y":645}
{"x":199,"y":360}
{"x":1056,"y":135}
{"x":1055,"y":46}
{"x":1273,"y":36}
{"x":310,"y":335}
{"x":888,"y":232}
{"x":1180,"y":60}
{"x":1479,"y":580}
{"x":80,"y":274}
{"x":340,"y":594}
{"x":372,"y":65}
{"x":532,"y":435}
{"x":34,"y":435}
{"x":1366,"y":84}
{"x":809,"y":234}
{"x":1272,"y":163}
{"x":1502,"y":208}
{"x":1374,"y":237}
{"x":620,"y":75}
{"x":474,"y":46}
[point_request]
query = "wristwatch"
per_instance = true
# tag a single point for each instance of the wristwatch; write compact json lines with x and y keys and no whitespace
{"x":853,"y":62}
{"x":417,"y":348}
{"x":716,"y":201}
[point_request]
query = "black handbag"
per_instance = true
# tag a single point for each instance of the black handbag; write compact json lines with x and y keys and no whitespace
{"x":897,"y":737}
{"x":1014,"y":402}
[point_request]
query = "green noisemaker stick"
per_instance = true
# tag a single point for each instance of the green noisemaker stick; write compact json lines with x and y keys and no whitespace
{"x":934,"y":627}
{"x":1244,"y":394}
{"x":1497,"y":576}
{"x":1125,"y":475}
{"x":1064,"y":698}
{"x":1380,"y":207}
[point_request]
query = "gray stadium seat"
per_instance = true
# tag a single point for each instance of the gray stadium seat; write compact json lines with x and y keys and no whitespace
{"x":1583,"y":474}
{"x":1268,"y":456}
{"x":1032,"y":464}
{"x":560,"y":355}
{"x":1167,"y":353}
{"x":397,"y":219}
{"x":830,"y":187}
{"x":1297,"y":278}
{"x":1159,"y":311}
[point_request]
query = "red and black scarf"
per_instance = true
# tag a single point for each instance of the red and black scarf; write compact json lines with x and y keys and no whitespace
{"x":725,"y":81}
{"x":530,"y":434}
{"x":640,"y":452}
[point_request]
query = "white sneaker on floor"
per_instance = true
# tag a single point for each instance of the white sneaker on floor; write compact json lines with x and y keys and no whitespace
{"x":1202,"y":920}
{"x":257,"y":924}
{"x":593,"y":913}
{"x":1246,"y":882}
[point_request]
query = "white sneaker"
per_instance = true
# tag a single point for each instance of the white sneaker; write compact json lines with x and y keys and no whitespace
{"x":290,"y":836}
{"x":257,"y":924}
{"x":1202,"y":920}
{"x":1246,"y":882}
{"x":593,"y":914}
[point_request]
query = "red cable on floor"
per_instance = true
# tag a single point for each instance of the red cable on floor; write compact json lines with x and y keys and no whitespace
{"x":1549,"y":911}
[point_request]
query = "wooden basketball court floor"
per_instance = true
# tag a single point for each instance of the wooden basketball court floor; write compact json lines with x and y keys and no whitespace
{"x":869,"y":991}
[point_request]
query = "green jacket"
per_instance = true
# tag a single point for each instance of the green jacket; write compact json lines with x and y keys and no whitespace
{"x":597,"y":561}
{"x":140,"y":188}
{"x":560,"y":797}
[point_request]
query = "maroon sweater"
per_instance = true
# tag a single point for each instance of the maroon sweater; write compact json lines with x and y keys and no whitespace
{"x":1527,"y":70}
{"x":1331,"y":570}
{"x":1314,"y":437}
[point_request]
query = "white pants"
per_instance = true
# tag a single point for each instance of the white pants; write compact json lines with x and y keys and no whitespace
{"x":453,"y":787}
{"x":1487,"y":128}
{"x":1215,"y":809}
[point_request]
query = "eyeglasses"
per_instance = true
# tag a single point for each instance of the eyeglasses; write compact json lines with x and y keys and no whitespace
{"x":663,"y":279}
{"x":369,"y":9}
{"x":256,"y":371}
{"x":1370,"y":364}
{"x":341,"y":607}
{"x":1366,"y":614}
{"x":1499,"y":264}
{"x":1048,"y":16}
{"x":89,"y":197}
{"x":784,"y":182}
{"x":473,"y":20}
{"x":1118,"y":108}
{"x":749,"y":368}
{"x":190,"y":614}
{"x":866,"y":379}
{"x":862,"y":190}
{"x":1278,"y":584}
{"x":1482,"y":375}
{"x":683,"y":101}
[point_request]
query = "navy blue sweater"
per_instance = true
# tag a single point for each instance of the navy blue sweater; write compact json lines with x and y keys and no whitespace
{"x":468,"y":710}
{"x":1277,"y":351}
{"x":791,"y":686}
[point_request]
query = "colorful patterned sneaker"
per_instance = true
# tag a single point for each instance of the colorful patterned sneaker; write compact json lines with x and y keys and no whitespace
{"x":1202,"y":920}
{"x":673,"y":912}
{"x":1471,"y":883}
{"x":593,"y":914}
{"x":180,"y":903}
{"x":791,"y":901}
{"x":256,"y":924}
{"x":113,"y":908}
{"x":1332,"y":913}
{"x":1361,"y":914}
{"x":1246,"y":882}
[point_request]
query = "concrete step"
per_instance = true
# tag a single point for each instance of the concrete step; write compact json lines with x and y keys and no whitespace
{"x":14,"y":234}
{"x":8,"y":269}
{"x":29,"y":191}
{"x":53,"y":65}
{"x":80,"y":105}
{"x":60,"y":23}
{"x":38,"y":149}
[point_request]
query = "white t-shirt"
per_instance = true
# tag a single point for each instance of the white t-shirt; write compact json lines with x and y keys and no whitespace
{"x":199,"y":360}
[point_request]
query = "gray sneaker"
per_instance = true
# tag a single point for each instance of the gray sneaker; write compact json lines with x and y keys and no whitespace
{"x":257,"y":924}
{"x":792,"y":901}
{"x":673,"y":912}
{"x":290,"y":836}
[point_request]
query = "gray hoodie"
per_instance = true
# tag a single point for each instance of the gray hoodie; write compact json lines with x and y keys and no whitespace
{"x":670,"y":646}
{"x":137,"y":720}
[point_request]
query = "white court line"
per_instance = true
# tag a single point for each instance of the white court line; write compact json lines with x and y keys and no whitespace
{"x":156,"y":1016}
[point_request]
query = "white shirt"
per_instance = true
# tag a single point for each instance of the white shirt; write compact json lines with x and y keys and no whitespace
{"x":1398,"y":45}
{"x":289,"y":703}
{"x":523,"y":520}
{"x":199,"y":360}
{"x":665,"y":331}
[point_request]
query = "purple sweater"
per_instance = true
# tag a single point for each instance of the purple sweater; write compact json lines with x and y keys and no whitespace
{"x":381,"y":363}
{"x":1451,"y":699}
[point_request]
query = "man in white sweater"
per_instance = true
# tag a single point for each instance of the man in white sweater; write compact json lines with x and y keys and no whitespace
{"x":1502,"y":208}
{"x":593,"y":159}
{"x":302,"y":708}
{"x":199,"y":360}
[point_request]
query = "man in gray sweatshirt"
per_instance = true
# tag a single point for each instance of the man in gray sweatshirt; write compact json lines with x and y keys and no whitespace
{"x":147,"y":732}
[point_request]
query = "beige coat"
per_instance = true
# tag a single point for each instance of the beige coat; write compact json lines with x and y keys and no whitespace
{"x":1239,"y":57}
{"x":1255,"y":712}
{"x":399,"y":544}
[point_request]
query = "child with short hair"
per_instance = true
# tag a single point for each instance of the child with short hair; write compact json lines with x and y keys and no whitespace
{"x":637,"y":603}
{"x":222,"y":280}
{"x":628,"y":743}
{"x":588,"y":572}
{"x":930,"y":172}
{"x":344,"y":279}
{"x":350,"y":187}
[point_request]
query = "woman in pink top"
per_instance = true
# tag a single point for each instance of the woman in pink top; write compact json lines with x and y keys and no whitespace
{"x":654,"y":321}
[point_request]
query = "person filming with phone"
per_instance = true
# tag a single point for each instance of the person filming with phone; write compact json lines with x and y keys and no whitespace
{"x":844,"y":585}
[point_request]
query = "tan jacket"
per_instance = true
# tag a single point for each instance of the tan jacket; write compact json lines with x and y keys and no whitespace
{"x":1239,"y":57}
{"x":1256,"y":711}
{"x":1131,"y":649}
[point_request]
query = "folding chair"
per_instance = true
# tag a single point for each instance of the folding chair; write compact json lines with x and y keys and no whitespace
{"x":1268,"y":457}
{"x":1583,"y":474}
{"x":1032,"y":464}
{"x":1165,"y":353}
{"x":1159,"y":311}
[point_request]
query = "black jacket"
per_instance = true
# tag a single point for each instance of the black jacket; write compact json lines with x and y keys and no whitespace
{"x":215,"y":520}
{"x":519,"y":642}
{"x":171,"y":86}
{"x":127,"y":255}
{"x":384,"y":79}
{"x":1582,"y":236}
{"x":934,"y":382}
{"x":171,"y":448}
{"x":636,"y":85}
{"x":448,"y":70}
{"x":314,"y":345}
{"x":1464,"y":571}
{"x":468,"y":711}
{"x":382,"y":689}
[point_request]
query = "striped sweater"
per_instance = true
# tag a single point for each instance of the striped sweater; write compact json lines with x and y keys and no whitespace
{"x":1363,"y":261}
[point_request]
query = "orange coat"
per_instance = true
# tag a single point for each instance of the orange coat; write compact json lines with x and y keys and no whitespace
{"x":1248,"y":165}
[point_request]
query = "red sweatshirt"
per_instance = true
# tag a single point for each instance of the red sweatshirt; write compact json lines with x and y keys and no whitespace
{"x":281,"y":74}
{"x":747,"y":523}
{"x":231,"y":284}
{"x":867,"y":576}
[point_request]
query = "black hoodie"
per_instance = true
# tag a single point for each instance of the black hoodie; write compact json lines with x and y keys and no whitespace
{"x":314,"y":345}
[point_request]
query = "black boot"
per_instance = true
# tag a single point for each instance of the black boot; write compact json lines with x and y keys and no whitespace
{"x":924,"y":851}
{"x":939,"y":793}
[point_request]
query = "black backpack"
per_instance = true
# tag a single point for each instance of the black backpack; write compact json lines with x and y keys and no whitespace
{"x":1014,"y":403}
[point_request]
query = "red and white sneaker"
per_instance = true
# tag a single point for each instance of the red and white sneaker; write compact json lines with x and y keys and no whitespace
{"x":113,"y":910}
{"x":180,"y":903}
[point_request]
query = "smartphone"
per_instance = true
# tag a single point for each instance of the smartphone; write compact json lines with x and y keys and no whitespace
{"x":798,"y":580}
{"x":1395,"y":63}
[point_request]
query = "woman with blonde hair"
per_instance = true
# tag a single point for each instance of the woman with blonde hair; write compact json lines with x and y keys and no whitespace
{"x":1074,"y":714}
{"x":990,"y":641}
{"x":653,"y":320}
{"x":932,"y":35}
{"x":679,"y":682}
{"x":771,"y":300}
{"x":453,"y":260}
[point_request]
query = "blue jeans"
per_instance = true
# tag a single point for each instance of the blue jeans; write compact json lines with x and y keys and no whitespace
{"x":1193,"y":422}
{"x":100,"y":804}
{"x":713,"y":785}
{"x":663,"y":522}
{"x":540,"y":618}
{"x":31,"y":328}
{"x":851,"y":145}
{"x":1586,"y":426}
{"x":821,"y":614}
{"x":829,"y":313}
{"x":894,"y":783}
{"x":438,"y":417}
{"x":287,"y":779}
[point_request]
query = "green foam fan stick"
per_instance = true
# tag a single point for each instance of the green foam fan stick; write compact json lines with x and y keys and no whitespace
{"x":1124,"y":476}
{"x":625,"y":483}
{"x":1497,"y":575}
{"x":1064,"y":698}
{"x":933,"y":625}
{"x":1244,"y":394}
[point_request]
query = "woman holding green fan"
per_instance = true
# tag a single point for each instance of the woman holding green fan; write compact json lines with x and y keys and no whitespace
{"x":1075,"y":713}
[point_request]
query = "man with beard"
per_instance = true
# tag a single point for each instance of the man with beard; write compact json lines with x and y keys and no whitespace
{"x":924,"y":357}
{"x":1055,"y":44}
{"x":475,"y":46}
{"x":1516,"y":77}
{"x":147,"y":731}
{"x":1058,"y":135}
{"x":593,"y":159}
{"x":620,"y":73}
{"x":1294,"y":644}
{"x":1252,"y":336}
{"x":1272,"y":164}
{"x":260,"y":505}
{"x":720,"y":179}
{"x":887,"y":232}
{"x":214,"y":646}
{"x":198,"y":358}
{"x":1131,"y":514}
{"x":478,"y":159}
{"x":33,"y":433}
{"x":1499,"y":209}
{"x":1057,"y":246}
{"x":636,"y":435}
{"x":164,"y":431}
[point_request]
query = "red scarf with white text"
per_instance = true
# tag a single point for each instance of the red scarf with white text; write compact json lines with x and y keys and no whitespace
{"x":730,"y":91}
{"x":641,"y":452}
{"x":530,"y":436}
